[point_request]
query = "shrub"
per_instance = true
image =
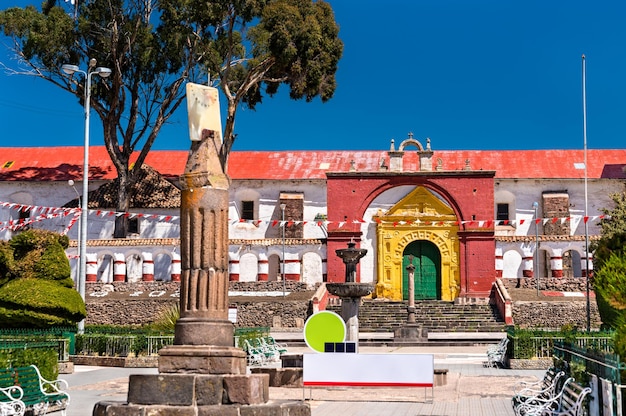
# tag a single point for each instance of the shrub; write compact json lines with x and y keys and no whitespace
{"x":45,"y":359}
{"x":37,"y":303}
{"x":167,"y":320}
{"x":610,"y":285}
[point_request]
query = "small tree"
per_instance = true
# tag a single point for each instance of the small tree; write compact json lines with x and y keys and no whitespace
{"x":610,"y":289}
{"x":613,"y":232}
{"x":610,"y":264}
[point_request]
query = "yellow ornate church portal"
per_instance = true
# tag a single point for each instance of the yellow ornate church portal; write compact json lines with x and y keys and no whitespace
{"x":421,"y":229}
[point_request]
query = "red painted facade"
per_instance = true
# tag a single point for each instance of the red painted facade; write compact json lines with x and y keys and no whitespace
{"x":470,"y":194}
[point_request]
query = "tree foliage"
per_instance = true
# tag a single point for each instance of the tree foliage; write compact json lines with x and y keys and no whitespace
{"x":248,"y":47}
{"x":613,"y":231}
{"x":610,"y":264}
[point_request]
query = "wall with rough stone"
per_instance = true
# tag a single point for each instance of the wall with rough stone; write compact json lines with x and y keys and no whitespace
{"x":558,"y":284}
{"x":555,"y":314}
{"x":131,"y":304}
{"x":528,"y":314}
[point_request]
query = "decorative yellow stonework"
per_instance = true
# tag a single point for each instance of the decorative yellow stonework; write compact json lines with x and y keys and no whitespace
{"x":421,"y":215}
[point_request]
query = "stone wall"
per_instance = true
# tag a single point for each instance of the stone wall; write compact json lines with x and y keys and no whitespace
{"x":554,"y":314}
{"x":271,"y":314}
{"x":140,"y":303}
{"x":127,"y":312}
{"x":558,"y":284}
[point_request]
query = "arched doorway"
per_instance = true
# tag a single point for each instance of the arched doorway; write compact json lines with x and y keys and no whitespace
{"x":424,"y":225}
{"x":426,"y":258}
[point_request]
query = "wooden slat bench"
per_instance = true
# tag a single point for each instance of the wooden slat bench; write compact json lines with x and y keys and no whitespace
{"x":38,"y":394}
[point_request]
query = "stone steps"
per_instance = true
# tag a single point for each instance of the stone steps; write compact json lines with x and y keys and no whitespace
{"x":435,"y":316}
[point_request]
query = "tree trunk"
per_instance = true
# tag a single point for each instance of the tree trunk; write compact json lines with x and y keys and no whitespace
{"x":123,"y":205}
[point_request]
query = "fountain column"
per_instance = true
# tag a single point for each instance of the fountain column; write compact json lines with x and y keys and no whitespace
{"x":350,"y":292}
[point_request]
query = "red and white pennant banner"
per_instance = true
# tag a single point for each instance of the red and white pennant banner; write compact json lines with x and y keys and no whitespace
{"x":15,"y":225}
{"x":52,"y":212}
{"x":470,"y":223}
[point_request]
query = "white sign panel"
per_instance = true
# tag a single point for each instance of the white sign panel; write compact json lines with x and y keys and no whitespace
{"x":368,"y":370}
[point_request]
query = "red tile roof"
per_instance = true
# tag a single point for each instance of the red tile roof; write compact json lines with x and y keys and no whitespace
{"x":63,"y":163}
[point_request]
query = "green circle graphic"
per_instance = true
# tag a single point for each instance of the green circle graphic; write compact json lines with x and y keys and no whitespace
{"x":323,"y":327}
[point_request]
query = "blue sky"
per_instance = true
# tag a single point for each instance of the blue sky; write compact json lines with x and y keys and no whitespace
{"x":480,"y":74}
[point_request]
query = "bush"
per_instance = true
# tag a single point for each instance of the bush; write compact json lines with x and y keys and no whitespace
{"x":610,"y":285}
{"x":37,"y":303}
{"x":46,"y":360}
{"x":40,"y":254}
{"x":167,"y":320}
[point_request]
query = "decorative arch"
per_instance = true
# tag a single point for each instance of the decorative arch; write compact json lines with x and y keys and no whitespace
{"x":134,"y":266}
{"x":389,"y":279}
{"x":248,"y":267}
{"x":410,"y":141}
{"x":162,"y":266}
{"x":396,"y":230}
{"x":512,"y":261}
{"x":105,"y":266}
{"x":469,"y":194}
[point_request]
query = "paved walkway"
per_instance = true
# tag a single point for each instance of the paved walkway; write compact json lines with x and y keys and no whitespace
{"x":471,"y":389}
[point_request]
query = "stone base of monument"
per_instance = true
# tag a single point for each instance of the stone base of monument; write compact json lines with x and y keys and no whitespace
{"x":202,"y":359}
{"x":410,"y":332}
{"x":200,"y":381}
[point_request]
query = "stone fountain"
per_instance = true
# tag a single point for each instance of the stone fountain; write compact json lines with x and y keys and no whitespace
{"x":351,"y":292}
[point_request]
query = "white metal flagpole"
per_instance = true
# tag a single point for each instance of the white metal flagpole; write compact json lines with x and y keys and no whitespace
{"x":586,"y":218}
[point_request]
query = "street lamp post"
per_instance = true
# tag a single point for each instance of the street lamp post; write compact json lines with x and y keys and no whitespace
{"x":72,"y":183}
{"x":536,"y":259}
{"x":82,"y":268}
{"x":282,"y":208}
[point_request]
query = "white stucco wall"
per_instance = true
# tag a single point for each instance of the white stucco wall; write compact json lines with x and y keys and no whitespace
{"x":519,"y":193}
{"x":527,"y":191}
{"x":267,"y":207}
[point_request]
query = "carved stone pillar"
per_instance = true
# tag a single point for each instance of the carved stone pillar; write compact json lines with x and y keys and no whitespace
{"x":203,"y":336}
{"x":202,"y":373}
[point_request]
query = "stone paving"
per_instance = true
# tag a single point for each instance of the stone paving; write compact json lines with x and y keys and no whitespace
{"x":471,"y":389}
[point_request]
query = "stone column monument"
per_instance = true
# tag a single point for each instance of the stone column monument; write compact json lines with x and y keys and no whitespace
{"x":411,"y":331}
{"x":203,"y":331}
{"x":203,"y":373}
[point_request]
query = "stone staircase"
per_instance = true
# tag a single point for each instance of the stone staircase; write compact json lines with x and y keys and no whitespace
{"x":435,"y":316}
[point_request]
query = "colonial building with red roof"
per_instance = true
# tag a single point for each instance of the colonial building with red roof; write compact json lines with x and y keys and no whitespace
{"x":462,"y":217}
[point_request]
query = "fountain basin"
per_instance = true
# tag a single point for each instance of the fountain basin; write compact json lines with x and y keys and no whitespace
{"x":350,"y":289}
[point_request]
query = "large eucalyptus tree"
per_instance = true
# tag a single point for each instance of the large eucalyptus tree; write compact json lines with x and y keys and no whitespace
{"x":248,"y":47}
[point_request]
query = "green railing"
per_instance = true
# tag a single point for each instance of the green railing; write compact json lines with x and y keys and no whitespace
{"x":155,"y":343}
{"x":581,"y":363}
{"x":528,"y":344}
{"x":61,"y":345}
{"x":140,"y":343}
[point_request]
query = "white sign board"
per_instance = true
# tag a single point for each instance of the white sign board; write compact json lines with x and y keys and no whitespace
{"x":368,"y":370}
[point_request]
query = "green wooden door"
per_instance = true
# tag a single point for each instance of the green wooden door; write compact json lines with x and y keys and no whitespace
{"x":427,"y":262}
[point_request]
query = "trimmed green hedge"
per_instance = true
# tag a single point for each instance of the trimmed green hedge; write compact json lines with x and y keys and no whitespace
{"x":45,"y":359}
{"x":39,"y":303}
